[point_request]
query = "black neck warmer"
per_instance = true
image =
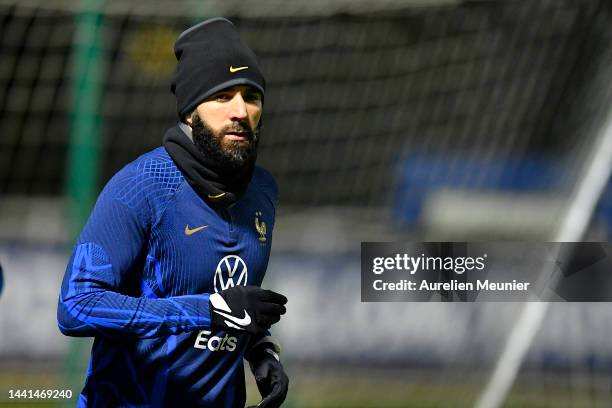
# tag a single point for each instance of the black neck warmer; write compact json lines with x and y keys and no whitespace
{"x":211,"y":182}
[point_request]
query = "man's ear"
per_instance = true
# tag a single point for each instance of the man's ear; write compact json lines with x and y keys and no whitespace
{"x":188,"y":120}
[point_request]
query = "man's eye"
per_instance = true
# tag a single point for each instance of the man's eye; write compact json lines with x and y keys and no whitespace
{"x":253,"y":96}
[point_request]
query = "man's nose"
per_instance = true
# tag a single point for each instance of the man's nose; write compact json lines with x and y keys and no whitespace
{"x":238,"y":107}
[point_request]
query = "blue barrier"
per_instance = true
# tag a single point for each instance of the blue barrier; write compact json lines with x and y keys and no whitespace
{"x":420,"y":173}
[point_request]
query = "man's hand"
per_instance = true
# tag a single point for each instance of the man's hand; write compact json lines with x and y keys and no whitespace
{"x":270,"y":377}
{"x":247,"y":309}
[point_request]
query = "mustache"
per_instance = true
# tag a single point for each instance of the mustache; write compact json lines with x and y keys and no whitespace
{"x":241,"y":127}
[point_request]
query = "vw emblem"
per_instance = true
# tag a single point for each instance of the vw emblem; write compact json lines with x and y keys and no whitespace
{"x":231,"y":271}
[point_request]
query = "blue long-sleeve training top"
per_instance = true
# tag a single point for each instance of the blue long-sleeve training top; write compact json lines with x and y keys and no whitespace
{"x":139,"y":279}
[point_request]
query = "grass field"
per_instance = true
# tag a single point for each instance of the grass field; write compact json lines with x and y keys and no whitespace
{"x":317,"y":387}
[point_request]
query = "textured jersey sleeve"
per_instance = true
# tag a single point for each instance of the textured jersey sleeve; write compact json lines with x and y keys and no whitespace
{"x":97,"y":296}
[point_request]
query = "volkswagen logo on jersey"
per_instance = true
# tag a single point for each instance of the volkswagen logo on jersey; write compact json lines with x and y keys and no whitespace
{"x":231,"y":271}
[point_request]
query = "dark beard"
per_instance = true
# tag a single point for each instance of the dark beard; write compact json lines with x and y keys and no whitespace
{"x":232,"y":155}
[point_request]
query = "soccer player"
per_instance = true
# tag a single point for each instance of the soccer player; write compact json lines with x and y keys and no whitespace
{"x":166,"y":273}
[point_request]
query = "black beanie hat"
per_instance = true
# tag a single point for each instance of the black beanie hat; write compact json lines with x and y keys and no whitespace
{"x":211,"y":57}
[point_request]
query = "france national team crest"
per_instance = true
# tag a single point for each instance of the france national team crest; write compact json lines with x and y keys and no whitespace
{"x":261,"y":228}
{"x":231,"y":271}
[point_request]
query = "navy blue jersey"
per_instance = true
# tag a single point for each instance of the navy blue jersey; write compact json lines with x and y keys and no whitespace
{"x":139,"y":279}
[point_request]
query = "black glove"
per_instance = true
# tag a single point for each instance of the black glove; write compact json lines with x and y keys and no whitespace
{"x":270,"y":376}
{"x":247,"y":309}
